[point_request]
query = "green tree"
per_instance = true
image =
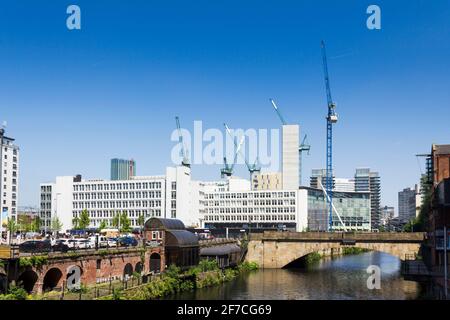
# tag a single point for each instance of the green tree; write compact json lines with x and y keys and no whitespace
{"x":125,"y":223}
{"x":141,"y":220}
{"x":75,"y":223}
{"x":35,"y":224}
{"x":84,"y":219}
{"x":56,"y":224}
{"x":102,"y":225}
{"x":116,"y":220}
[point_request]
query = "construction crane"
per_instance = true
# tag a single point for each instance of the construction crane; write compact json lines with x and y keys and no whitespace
{"x":304,"y":147}
{"x":185,"y":158}
{"x":227,"y":170}
{"x":331,"y":119}
{"x":252,"y":168}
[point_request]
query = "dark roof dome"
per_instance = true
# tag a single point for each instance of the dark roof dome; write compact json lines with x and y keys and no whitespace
{"x":164,"y":224}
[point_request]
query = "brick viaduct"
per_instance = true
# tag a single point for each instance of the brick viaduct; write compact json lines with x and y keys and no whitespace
{"x":94,"y":267}
{"x":278,"y":249}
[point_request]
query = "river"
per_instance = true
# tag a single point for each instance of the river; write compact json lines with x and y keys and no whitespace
{"x":330,"y":279}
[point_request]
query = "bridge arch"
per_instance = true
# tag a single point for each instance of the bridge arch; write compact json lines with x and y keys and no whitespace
{"x":3,"y":281}
{"x":127,"y":270}
{"x":52,"y":279}
{"x":139,"y":267}
{"x":27,"y":280}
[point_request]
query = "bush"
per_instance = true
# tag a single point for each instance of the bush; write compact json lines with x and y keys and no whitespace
{"x":15,"y":293}
{"x":248,"y":266}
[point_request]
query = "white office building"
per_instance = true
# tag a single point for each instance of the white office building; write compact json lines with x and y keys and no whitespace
{"x":409,"y":201}
{"x":167,"y":196}
{"x":232,"y":204}
{"x":9,"y":176}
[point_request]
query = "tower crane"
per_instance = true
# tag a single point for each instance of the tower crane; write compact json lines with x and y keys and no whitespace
{"x":227,"y":170}
{"x":185,"y":158}
{"x":332,"y":118}
{"x":252,"y":168}
{"x":304,"y":146}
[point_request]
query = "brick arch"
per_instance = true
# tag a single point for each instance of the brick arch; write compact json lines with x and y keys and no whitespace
{"x":53,"y":278}
{"x":28,"y":279}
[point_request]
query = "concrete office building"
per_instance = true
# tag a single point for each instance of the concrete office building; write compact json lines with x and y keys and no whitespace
{"x":232,"y":204}
{"x":122,"y":169}
{"x":290,"y":157}
{"x":409,"y":201}
{"x":167,"y":196}
{"x":9,"y":176}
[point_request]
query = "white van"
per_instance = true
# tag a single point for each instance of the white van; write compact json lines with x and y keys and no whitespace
{"x":102,"y":241}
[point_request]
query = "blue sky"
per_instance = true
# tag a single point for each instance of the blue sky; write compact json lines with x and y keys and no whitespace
{"x":75,"y":99}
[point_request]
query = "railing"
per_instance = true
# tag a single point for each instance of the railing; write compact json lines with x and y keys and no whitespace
{"x":98,"y":290}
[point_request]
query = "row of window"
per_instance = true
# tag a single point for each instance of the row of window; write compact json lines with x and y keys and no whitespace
{"x":117,"y":195}
{"x":111,"y":213}
{"x":251,"y":195}
{"x":117,"y":186}
{"x":228,"y":203}
{"x":253,"y":218}
{"x":253,"y":210}
{"x":117,"y":204}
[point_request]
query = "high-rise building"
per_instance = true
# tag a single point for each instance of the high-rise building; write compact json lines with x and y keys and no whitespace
{"x":409,"y":201}
{"x":366,"y":180}
{"x":290,"y":158}
{"x":319,"y":175}
{"x":122,"y":169}
{"x":9,"y":177}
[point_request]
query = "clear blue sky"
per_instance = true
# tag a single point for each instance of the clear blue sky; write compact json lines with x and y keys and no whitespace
{"x":75,"y":99}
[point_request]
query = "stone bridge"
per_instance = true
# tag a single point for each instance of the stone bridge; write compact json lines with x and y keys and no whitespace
{"x":273,"y":249}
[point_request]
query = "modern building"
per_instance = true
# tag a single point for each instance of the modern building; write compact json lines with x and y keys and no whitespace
{"x":353,"y":208}
{"x":363,"y":181}
{"x":9,"y":177}
{"x":236,"y":206}
{"x":387,"y":214}
{"x":409,"y":201}
{"x":366,"y":180}
{"x":290,"y":156}
{"x":319,"y":175}
{"x":122,"y":169}
{"x":166,"y":196}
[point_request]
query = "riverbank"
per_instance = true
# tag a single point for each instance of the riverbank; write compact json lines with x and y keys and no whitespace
{"x":206,"y":274}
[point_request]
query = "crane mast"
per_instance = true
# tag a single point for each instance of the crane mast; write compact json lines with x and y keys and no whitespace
{"x":252,"y":168}
{"x":331,"y":119}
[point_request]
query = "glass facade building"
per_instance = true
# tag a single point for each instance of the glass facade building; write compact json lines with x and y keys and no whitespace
{"x":353,"y":208}
{"x":122,"y":169}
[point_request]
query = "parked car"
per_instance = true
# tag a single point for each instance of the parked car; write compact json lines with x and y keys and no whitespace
{"x":127,"y":242}
{"x":112,"y":242}
{"x":31,"y":246}
{"x":102,"y":241}
{"x":84,"y":244}
{"x":60,"y":246}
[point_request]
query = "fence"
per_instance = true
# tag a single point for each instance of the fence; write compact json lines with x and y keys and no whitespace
{"x":98,"y":290}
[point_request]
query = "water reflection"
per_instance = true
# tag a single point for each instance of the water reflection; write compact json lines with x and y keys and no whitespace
{"x":336,"y":279}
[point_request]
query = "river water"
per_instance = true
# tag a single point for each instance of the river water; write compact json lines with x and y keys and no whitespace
{"x":330,"y":279}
